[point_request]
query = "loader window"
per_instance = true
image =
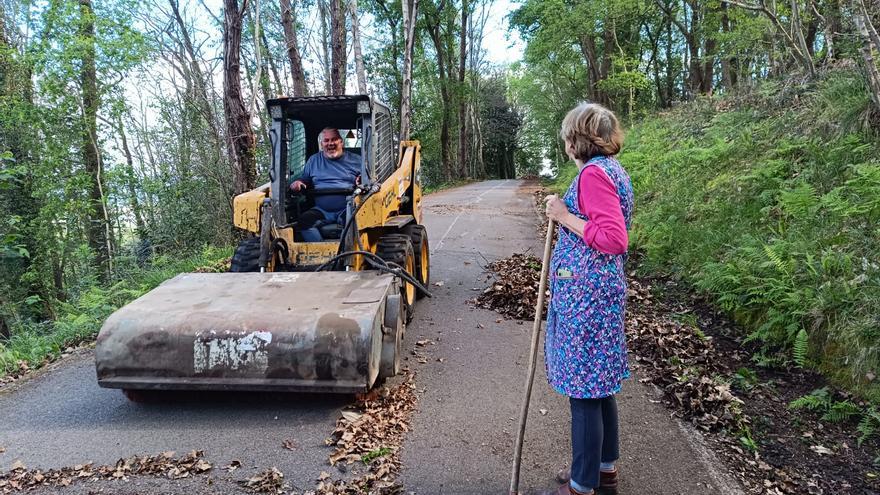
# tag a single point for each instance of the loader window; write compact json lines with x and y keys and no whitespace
{"x":351,"y":140}
{"x":296,"y":148}
{"x":385,"y":152}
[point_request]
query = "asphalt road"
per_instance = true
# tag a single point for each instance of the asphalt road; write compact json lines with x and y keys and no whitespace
{"x":469,"y":396}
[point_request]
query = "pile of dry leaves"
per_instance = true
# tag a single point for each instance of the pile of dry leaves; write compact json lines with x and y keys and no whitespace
{"x":514,"y":290}
{"x":678,"y":358}
{"x":20,"y":478}
{"x":371,"y":433}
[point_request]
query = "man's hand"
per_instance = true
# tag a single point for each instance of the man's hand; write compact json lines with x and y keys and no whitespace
{"x":556,"y":209}
{"x":298,"y":185}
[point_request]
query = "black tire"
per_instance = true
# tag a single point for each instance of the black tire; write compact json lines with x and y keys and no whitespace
{"x":247,"y":256}
{"x":418,"y":234}
{"x":397,"y":248}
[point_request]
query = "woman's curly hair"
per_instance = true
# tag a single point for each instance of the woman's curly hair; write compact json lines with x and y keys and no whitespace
{"x":592,"y":130}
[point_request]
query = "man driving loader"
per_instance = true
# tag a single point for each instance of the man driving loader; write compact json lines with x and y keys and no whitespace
{"x":330,"y":168}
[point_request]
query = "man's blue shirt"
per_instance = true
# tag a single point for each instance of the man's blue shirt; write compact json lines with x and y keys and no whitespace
{"x":321,"y":172}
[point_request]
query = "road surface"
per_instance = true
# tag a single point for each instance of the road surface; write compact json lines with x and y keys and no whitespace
{"x":468,"y":401}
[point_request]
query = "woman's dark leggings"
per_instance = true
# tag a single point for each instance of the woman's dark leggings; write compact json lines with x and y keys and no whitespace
{"x":593,"y":438}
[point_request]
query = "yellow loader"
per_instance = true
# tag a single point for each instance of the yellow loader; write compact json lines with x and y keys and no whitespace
{"x":324,"y":316}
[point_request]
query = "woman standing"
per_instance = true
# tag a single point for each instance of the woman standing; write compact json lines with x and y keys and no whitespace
{"x":585,"y":348}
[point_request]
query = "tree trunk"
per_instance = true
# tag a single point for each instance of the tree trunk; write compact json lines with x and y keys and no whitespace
{"x":134,"y":202}
{"x":288,"y":22}
{"x":410,"y":14}
{"x":325,"y":46}
{"x":393,"y":21}
{"x":605,"y":69}
{"x":356,"y":45}
{"x":864,"y":27}
{"x":729,"y":65}
{"x":588,"y":50}
{"x":239,"y":135}
{"x":276,"y":79}
{"x":462,"y":118}
{"x":445,"y":155}
{"x":97,"y":235}
{"x":338,"y":44}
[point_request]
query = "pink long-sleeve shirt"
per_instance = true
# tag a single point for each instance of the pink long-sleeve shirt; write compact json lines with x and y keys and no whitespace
{"x":605,"y":230}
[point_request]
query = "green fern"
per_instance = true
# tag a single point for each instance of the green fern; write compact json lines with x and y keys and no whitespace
{"x":869,"y":425}
{"x":841,"y":411}
{"x":817,"y":400}
{"x":799,"y":350}
{"x":776,"y":258}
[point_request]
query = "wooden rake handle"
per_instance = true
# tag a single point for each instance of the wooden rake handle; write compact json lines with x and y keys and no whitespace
{"x":533,"y":358}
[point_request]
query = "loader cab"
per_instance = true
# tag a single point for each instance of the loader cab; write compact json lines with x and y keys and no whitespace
{"x":366,"y":129}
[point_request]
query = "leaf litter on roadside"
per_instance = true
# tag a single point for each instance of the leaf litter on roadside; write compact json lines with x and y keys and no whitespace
{"x":20,"y":478}
{"x":267,"y":481}
{"x":514,"y":290}
{"x":371,"y":434}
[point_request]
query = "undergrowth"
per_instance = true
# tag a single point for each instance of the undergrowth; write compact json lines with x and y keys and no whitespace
{"x":769,"y":201}
{"x":34,"y":342}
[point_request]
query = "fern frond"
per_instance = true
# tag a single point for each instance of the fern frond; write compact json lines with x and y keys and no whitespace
{"x":799,"y":350}
{"x":842,"y":411}
{"x":869,"y":425}
{"x":817,"y":400}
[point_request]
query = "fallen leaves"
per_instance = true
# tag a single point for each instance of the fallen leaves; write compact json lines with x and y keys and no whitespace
{"x":514,"y":292}
{"x":819,"y":449}
{"x":289,"y":444}
{"x":268,"y":481}
{"x":165,"y":465}
{"x":678,"y":359}
{"x":372,"y":435}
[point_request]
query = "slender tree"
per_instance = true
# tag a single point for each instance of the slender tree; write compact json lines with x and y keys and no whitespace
{"x":98,"y":236}
{"x":288,"y":21}
{"x":410,"y":14}
{"x":239,"y":134}
{"x":338,"y":47}
{"x":356,"y":45}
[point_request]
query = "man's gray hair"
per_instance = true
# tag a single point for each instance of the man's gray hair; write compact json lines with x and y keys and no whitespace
{"x":321,"y":136}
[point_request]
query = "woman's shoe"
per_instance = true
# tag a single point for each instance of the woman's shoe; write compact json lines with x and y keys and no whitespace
{"x":607,"y":480}
{"x":563,"y":476}
{"x":565,"y":490}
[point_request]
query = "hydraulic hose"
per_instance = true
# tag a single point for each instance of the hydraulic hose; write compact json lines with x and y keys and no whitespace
{"x":379,"y":264}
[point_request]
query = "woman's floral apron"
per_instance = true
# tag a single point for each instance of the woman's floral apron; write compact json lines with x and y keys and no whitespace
{"x":585,"y":347}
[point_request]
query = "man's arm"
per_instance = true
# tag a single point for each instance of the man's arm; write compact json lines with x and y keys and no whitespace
{"x":306,"y":178}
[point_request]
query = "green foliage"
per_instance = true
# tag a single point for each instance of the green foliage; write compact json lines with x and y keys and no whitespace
{"x":799,"y":350}
{"x":773,"y":215}
{"x":375,"y":454}
{"x":79,"y":320}
{"x":744,"y":379}
{"x":869,"y":425}
{"x":821,"y":401}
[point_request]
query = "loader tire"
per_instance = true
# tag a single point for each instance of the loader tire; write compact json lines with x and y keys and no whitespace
{"x":418,"y":234}
{"x":247,"y":256}
{"x":397,"y":248}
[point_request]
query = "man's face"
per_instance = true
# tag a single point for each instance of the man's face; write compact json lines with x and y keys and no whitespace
{"x":331,"y":141}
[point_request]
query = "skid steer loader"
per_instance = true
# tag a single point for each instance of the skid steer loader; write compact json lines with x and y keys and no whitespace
{"x":324,"y":316}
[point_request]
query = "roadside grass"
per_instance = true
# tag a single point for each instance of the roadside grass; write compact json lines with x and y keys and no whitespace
{"x":32,"y":344}
{"x":769,"y":202}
